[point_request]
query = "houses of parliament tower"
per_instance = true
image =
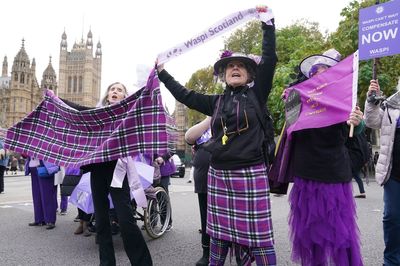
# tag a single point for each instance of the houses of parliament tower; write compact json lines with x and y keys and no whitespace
{"x":79,"y":79}
{"x":80,"y":72}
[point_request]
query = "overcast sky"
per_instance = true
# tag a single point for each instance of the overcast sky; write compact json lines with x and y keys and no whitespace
{"x":134,"y":32}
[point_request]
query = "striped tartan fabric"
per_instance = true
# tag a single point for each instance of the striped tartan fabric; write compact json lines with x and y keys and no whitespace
{"x":238,"y":207}
{"x":59,"y":134}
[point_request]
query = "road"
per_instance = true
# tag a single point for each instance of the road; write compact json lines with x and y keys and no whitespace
{"x":24,"y":245}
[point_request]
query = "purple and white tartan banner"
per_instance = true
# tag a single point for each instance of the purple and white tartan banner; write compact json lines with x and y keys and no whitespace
{"x":59,"y":134}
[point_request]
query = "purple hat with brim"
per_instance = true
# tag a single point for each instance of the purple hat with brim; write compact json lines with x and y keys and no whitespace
{"x":328,"y":58}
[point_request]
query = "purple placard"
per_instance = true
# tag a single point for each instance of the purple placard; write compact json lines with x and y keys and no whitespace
{"x":378,"y":30}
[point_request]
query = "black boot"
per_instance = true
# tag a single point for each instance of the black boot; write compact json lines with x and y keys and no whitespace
{"x":203,"y":261}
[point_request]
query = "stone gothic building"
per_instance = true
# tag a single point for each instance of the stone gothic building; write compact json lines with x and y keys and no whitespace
{"x":20,"y":92}
{"x":80,"y":72}
{"x":181,"y":121}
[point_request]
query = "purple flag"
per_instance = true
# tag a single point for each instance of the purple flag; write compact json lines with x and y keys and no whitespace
{"x":325,"y":99}
{"x":59,"y":134}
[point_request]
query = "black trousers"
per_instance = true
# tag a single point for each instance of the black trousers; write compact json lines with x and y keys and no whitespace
{"x":205,"y":238}
{"x":134,"y":243}
{"x":2,"y":169}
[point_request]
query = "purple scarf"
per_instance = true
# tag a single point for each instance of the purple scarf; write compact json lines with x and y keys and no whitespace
{"x":59,"y":134}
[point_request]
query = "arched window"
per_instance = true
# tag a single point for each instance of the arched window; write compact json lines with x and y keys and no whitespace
{"x":16,"y":77}
{"x":80,"y":83}
{"x":69,"y":84}
{"x":75,"y":83}
{"x":22,"y":79}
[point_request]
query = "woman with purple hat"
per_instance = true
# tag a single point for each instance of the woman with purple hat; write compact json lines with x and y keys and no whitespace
{"x":323,"y":228}
{"x":238,"y":209}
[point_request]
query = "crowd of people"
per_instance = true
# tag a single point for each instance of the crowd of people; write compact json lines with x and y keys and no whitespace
{"x":230,"y":173}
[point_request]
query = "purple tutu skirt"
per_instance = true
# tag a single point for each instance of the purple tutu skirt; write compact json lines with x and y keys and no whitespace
{"x":322,"y":223}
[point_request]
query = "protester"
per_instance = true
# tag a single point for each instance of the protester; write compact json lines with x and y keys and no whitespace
{"x":63,"y":204}
{"x":387,"y":171}
{"x":196,"y":136}
{"x":322,"y":215}
{"x":14,"y":165}
{"x":191,"y":173}
{"x":100,"y":181}
{"x":167,"y":169}
{"x":3,"y":164}
{"x":44,"y":192}
{"x":238,"y":211}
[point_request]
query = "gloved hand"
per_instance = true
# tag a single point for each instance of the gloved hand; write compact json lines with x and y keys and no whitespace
{"x":265,"y":15}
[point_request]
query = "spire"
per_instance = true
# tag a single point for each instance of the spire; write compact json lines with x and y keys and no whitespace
{"x":63,"y":44}
{"x":21,"y":60}
{"x":33,"y":65}
{"x":49,"y":78}
{"x":89,"y":41}
{"x":5,"y":67}
{"x":98,"y":50}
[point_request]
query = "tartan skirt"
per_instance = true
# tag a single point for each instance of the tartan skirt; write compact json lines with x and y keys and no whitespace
{"x":239,"y":208}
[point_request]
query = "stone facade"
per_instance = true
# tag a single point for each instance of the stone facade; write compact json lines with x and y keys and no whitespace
{"x":20,"y":92}
{"x":181,"y":120}
{"x":80,"y":72}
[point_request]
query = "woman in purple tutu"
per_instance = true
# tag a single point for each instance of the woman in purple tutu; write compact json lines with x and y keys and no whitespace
{"x":323,"y":228}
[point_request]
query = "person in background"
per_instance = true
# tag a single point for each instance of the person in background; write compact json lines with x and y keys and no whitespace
{"x":191,"y":172}
{"x":3,"y":164}
{"x":386,"y":117}
{"x":167,"y":169}
{"x":21,"y":164}
{"x":14,"y":165}
{"x":239,"y":208}
{"x":63,"y":204}
{"x":44,"y":193}
{"x":322,"y":218}
{"x":196,"y":136}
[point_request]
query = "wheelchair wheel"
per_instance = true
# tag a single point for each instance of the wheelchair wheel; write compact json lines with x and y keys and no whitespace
{"x":157,"y":214}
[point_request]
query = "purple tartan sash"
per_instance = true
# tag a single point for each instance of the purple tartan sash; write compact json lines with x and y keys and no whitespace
{"x":59,"y":134}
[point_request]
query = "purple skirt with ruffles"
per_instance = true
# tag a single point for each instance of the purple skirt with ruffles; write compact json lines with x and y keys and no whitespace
{"x":322,"y":222}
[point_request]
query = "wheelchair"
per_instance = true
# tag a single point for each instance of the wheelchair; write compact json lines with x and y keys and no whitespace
{"x":157,"y":214}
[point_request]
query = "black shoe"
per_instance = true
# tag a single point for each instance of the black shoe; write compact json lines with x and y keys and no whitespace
{"x":37,"y":224}
{"x":360,"y":196}
{"x":50,"y":226}
{"x":114,"y":228}
{"x":169,"y":228}
{"x":91,"y":228}
{"x":203,"y":261}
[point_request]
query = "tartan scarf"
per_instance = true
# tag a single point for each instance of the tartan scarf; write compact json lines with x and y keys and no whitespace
{"x":57,"y":133}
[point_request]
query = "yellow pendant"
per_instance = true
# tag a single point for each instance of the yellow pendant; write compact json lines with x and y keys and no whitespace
{"x":224,"y":139}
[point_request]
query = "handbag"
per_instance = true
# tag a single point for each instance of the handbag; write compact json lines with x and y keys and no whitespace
{"x":43,"y":173}
{"x":69,"y":183}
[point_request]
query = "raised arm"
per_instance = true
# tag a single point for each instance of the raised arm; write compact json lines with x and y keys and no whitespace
{"x":194,"y":100}
{"x":266,"y":67}
{"x":195,"y":132}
